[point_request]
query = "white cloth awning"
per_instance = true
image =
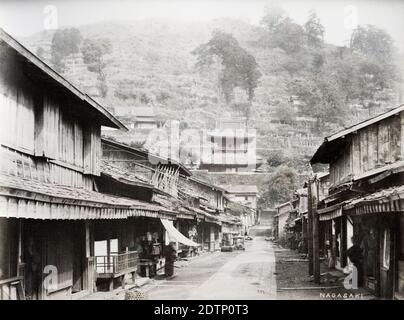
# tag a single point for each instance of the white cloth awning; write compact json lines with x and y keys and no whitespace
{"x":175,"y":235}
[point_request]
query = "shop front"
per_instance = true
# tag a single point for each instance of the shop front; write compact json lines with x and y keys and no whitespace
{"x":378,"y":225}
{"x":378,"y":236}
{"x":44,"y":259}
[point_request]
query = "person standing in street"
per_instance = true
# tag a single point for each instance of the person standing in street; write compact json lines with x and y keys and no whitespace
{"x":170,"y":255}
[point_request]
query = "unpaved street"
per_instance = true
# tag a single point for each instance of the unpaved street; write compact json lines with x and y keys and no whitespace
{"x":245,"y":274}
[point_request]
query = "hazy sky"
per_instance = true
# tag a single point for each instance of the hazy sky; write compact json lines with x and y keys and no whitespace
{"x":21,"y":18}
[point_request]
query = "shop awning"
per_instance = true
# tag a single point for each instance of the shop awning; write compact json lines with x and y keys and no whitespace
{"x":330,"y":213}
{"x":31,"y":199}
{"x":389,"y":200}
{"x":175,"y":235}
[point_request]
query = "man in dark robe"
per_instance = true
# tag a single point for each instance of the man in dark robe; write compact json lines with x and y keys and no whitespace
{"x":170,"y":255}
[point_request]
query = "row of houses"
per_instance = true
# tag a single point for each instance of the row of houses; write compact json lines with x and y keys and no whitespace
{"x":354,"y":215}
{"x":79,"y":213}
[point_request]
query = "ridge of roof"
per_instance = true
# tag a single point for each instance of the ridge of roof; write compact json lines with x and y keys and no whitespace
{"x":335,"y":138}
{"x":146,"y":153}
{"x":37,"y":62}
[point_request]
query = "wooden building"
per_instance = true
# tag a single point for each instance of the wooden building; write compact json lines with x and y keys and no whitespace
{"x":282,"y":216}
{"x":141,"y":122}
{"x":366,"y":181}
{"x":197,"y":204}
{"x":52,"y":212}
{"x":231,"y":148}
{"x":208,"y":200}
{"x":266,"y":217}
{"x":161,"y":172}
{"x":246,"y":195}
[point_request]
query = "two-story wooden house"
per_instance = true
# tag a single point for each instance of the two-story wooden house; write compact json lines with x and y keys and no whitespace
{"x":139,"y":174}
{"x":366,"y":195}
{"x":208,"y":202}
{"x":49,"y":163}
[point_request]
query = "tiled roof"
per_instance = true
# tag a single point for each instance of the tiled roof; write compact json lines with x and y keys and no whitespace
{"x":154,"y":158}
{"x":52,"y":194}
{"x":122,"y":175}
{"x":227,"y":218}
{"x":382,"y":196}
{"x":50,"y":75}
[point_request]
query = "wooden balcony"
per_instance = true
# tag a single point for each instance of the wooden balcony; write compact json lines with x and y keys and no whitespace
{"x":116,"y":265}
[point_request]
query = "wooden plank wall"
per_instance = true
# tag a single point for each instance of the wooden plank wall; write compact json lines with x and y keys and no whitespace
{"x":16,"y":116}
{"x":17,"y":164}
{"x":371,"y":147}
{"x":193,"y":187}
{"x":40,"y":123}
{"x":59,"y":252}
{"x":58,"y":135}
{"x":92,"y":149}
{"x":44,"y":127}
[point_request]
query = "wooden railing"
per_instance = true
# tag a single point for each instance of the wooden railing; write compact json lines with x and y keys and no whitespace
{"x":117,"y":264}
{"x":12,"y":289}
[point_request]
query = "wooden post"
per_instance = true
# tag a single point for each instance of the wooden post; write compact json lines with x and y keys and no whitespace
{"x":304,"y":229}
{"x":202,"y":236}
{"x":316,"y":248}
{"x":310,"y":227}
{"x":20,"y":247}
{"x":333,"y":244}
{"x":89,"y":271}
{"x":111,"y":284}
{"x":212,"y":238}
{"x":344,"y":236}
{"x":87,"y":239}
{"x":108,"y":253}
{"x":123,"y":281}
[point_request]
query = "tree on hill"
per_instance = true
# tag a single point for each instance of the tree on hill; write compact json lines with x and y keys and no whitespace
{"x":273,"y":17}
{"x":94,"y":52}
{"x":239,"y":68}
{"x":64,"y":42}
{"x":280,"y":31}
{"x":314,"y":31}
{"x":375,"y":67}
{"x":373,"y":43}
{"x":282,"y":184}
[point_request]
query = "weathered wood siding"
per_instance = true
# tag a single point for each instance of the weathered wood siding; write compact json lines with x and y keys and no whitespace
{"x":214,"y":197}
{"x":92,"y":149}
{"x":58,"y":135}
{"x":16,"y":116}
{"x":370,"y":148}
{"x":55,"y":142}
{"x":8,"y":248}
{"x":21,"y":165}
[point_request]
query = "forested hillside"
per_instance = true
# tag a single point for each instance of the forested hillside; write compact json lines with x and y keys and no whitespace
{"x":293,"y":87}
